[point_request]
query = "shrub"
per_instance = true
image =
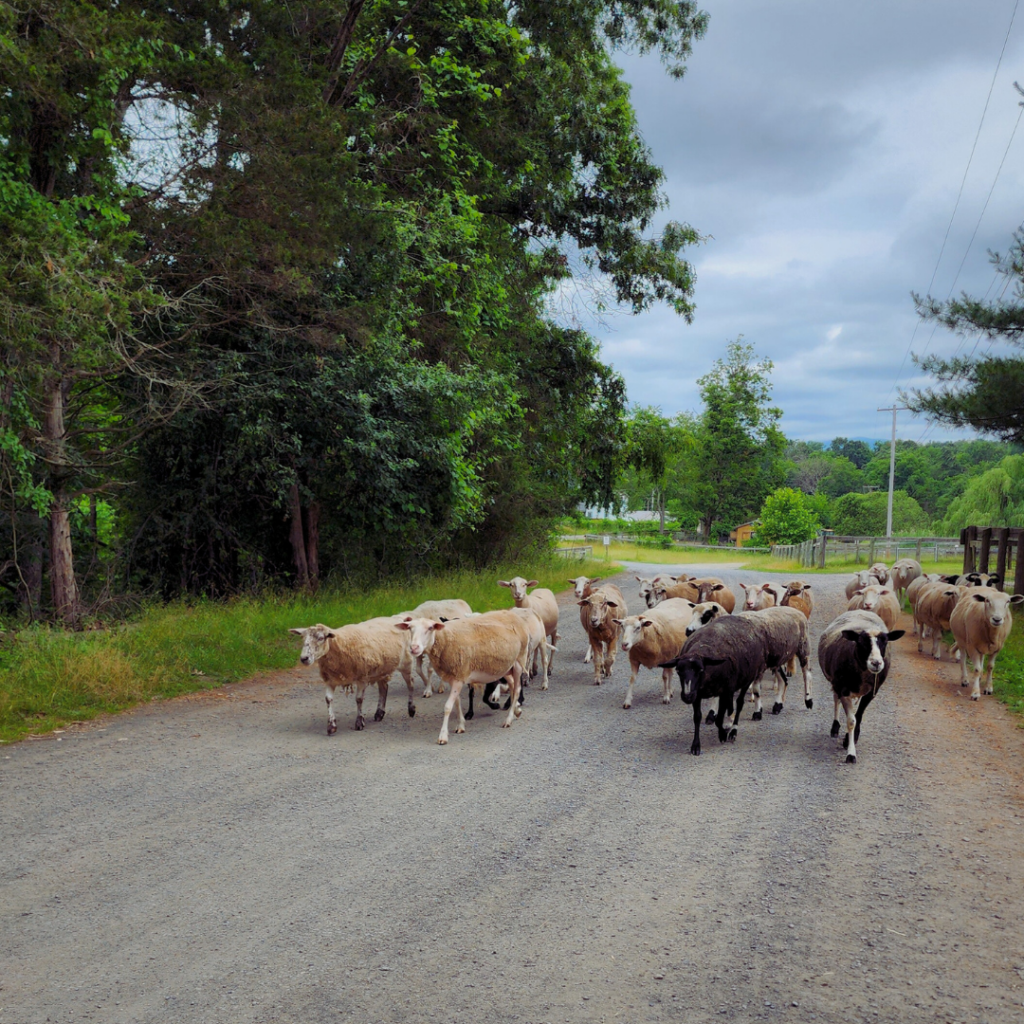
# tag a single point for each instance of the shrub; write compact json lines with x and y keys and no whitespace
{"x":786,"y":519}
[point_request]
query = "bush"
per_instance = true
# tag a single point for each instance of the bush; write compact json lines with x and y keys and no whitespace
{"x":863,"y":515}
{"x":786,"y":518}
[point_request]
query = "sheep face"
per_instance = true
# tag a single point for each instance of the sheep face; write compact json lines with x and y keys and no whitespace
{"x":646,"y":588}
{"x":691,"y":668}
{"x":632,"y":629}
{"x":869,"y":648}
{"x":599,"y":606}
{"x":421,"y":634}
{"x":518,"y":586}
{"x":580,"y":584}
{"x":704,"y":613}
{"x":315,"y":641}
{"x":796,"y":588}
{"x":997,"y":606}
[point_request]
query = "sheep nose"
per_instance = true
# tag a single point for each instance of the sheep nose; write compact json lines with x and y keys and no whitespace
{"x":304,"y":659}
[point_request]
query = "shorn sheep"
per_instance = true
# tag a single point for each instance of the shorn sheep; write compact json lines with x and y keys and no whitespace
{"x":652,"y":638}
{"x":721,"y":660}
{"x":598,"y":614}
{"x":798,"y":595}
{"x":854,"y":658}
{"x":355,"y":657}
{"x":860,"y":580}
{"x":934,"y":605}
{"x":981,"y":622}
{"x":878,"y":599}
{"x":664,"y":588}
{"x":713,"y":589}
{"x":903,"y":573}
{"x":583,"y":586}
{"x":543,"y":602}
{"x":472,"y":652}
{"x":447,"y":608}
{"x":758,"y":596}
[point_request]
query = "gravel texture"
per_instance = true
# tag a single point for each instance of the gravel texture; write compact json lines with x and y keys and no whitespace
{"x":219,"y":858}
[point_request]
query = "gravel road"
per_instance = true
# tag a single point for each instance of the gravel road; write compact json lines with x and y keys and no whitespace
{"x":219,"y":858}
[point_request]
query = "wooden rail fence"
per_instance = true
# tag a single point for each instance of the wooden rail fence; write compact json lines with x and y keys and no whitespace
{"x":979,"y":541}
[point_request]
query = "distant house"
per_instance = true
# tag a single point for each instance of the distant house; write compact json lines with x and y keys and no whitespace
{"x":743,"y":532}
{"x":641,"y":516}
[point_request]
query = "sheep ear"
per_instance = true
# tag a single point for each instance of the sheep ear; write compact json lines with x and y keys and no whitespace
{"x":669,"y":664}
{"x":437,"y":625}
{"x":504,"y":583}
{"x":979,"y":597}
{"x":767,"y":586}
{"x":583,"y":602}
{"x":707,"y":616}
{"x":896,"y":634}
{"x":646,"y":622}
{"x":618,"y":622}
{"x":639,"y":579}
{"x":1017,"y":598}
{"x":691,"y":604}
{"x":851,"y":634}
{"x":301,"y":632}
{"x":807,"y":586}
{"x":594,"y":579}
{"x":612,"y":604}
{"x":404,"y":624}
{"x":532,"y":583}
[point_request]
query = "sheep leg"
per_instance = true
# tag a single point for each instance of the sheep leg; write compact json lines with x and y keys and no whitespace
{"x":712,"y":711}
{"x":535,"y":662}
{"x":968,"y":655}
{"x":666,"y":686}
{"x":850,"y":706}
{"x":453,"y":699}
{"x":781,"y":686}
{"x":552,"y":638}
{"x":988,"y":671}
{"x":332,"y":722}
{"x":596,"y":647}
{"x":755,"y":692}
{"x":589,"y":656}
{"x":724,"y":705}
{"x":545,"y":661}
{"x":382,"y":700}
{"x":805,"y":666}
{"x":695,"y":745}
{"x":360,"y":721}
{"x":936,"y":643}
{"x":834,"y":731}
{"x":407,"y":676}
{"x":609,"y":658}
{"x":423,"y":669}
{"x":514,"y":710}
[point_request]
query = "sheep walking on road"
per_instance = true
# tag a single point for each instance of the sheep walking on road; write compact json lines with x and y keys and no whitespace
{"x":653,"y":638}
{"x":854,"y":658}
{"x":598,"y":613}
{"x":354,"y":657}
{"x":543,"y":602}
{"x":981,"y":622}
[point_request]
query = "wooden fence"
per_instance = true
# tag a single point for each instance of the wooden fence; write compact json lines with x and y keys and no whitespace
{"x":978,"y":542}
{"x":581,"y":553}
{"x":866,"y":550}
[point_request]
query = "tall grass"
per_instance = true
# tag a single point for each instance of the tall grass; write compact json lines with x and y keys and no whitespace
{"x":1008,"y":679}
{"x":49,"y":677}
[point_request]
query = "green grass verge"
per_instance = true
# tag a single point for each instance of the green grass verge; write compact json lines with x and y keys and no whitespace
{"x":49,"y":677}
{"x":1008,"y":678}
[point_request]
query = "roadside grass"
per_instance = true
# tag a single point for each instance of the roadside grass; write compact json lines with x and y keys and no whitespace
{"x":1008,"y":678}
{"x":49,"y":677}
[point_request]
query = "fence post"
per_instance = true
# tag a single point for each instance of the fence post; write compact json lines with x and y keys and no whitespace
{"x":856,"y":551}
{"x":967,"y":536}
{"x":824,"y":541}
{"x":1018,"y":576}
{"x":1002,"y":551}
{"x":871,"y":552}
{"x":917,"y":550}
{"x":986,"y":547}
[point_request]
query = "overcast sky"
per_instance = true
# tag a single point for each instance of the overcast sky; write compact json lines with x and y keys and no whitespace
{"x":821,"y":146}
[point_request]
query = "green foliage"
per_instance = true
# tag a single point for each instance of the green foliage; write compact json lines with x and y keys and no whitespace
{"x":786,"y":518}
{"x":984,"y":390}
{"x":864,"y":515}
{"x":734,"y":454}
{"x":858,"y":452}
{"x":995,"y":498}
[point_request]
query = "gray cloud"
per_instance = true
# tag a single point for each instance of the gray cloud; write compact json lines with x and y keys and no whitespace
{"x":822,"y":146}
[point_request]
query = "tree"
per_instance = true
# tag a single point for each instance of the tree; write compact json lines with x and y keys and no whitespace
{"x":786,"y":518}
{"x":995,"y":498}
{"x":864,"y":515}
{"x":735,"y":453}
{"x":980,"y":390}
{"x":858,"y":452}
{"x":652,"y":442}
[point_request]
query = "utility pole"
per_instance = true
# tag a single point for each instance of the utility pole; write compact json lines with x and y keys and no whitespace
{"x":892,"y":465}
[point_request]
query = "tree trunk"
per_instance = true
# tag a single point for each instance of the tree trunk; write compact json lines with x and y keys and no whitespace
{"x":30,"y":564}
{"x":63,"y":586}
{"x":661,"y":511}
{"x":297,"y":539}
{"x":313,"y":543}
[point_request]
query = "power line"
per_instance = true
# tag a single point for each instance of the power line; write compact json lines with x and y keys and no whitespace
{"x":960,"y":193}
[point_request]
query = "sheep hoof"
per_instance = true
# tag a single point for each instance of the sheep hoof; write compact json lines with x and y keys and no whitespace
{"x":378,"y":715}
{"x":442,"y":741}
{"x":469,"y":715}
{"x":851,"y":758}
{"x":360,"y":724}
{"x":695,"y":750}
{"x":756,"y":716}
{"x":519,"y":710}
{"x":332,"y":728}
{"x":975,"y":696}
{"x":545,"y":686}
{"x":460,"y":729}
{"x":428,"y":693}
{"x":963,"y":683}
{"x":732,"y":736}
{"x":710,"y":718}
{"x":835,"y":728}
{"x":777,"y":708}
{"x":626,"y":707}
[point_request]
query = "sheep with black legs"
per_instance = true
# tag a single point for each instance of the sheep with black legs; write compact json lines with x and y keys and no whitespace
{"x":720,"y":661}
{"x":854,"y":658}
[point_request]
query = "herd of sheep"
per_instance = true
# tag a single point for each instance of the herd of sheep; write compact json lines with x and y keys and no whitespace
{"x":688,"y":627}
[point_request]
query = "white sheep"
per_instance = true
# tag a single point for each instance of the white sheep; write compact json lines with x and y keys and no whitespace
{"x":652,"y":638}
{"x":878,"y":599}
{"x":543,"y":602}
{"x":355,"y":657}
{"x":758,"y":596}
{"x":981,"y":622}
{"x":472,"y":652}
{"x":447,"y":608}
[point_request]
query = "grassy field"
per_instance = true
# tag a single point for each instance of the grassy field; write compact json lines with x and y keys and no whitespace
{"x":1008,"y":679}
{"x":49,"y":677}
{"x":752,"y":561}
